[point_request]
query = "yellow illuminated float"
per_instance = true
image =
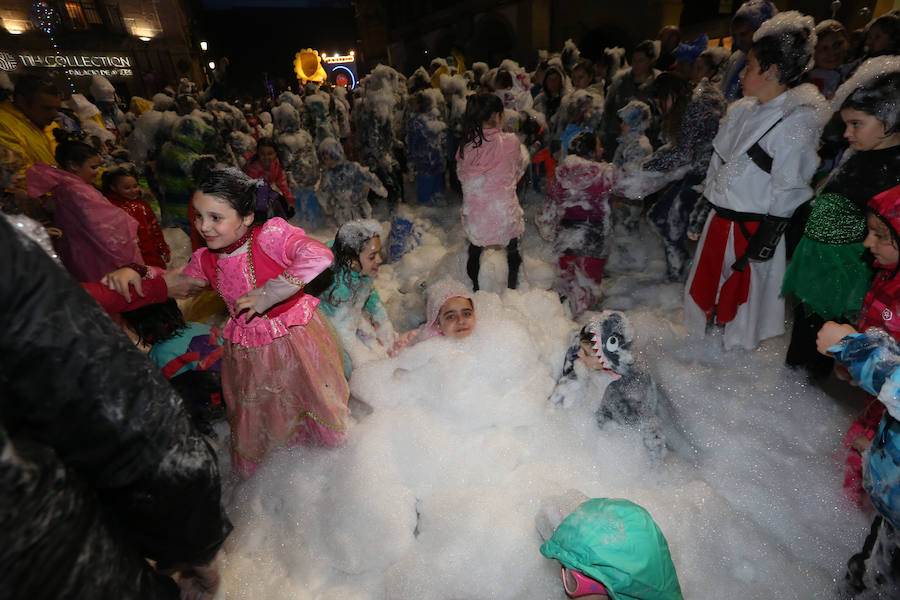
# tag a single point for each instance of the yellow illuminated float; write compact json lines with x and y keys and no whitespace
{"x":308,"y":66}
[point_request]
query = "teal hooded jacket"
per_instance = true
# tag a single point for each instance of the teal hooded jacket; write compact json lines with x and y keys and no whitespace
{"x":617,"y":543}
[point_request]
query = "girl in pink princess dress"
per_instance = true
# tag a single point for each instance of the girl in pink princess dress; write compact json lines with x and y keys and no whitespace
{"x":282,"y":375}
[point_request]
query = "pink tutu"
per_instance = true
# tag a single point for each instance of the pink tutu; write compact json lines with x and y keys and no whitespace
{"x":288,"y":392}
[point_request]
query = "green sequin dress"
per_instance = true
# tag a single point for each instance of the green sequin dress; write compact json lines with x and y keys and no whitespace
{"x":828,"y":272}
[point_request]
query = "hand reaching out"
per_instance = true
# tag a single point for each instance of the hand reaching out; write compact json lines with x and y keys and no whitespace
{"x":860,"y":443}
{"x":120,"y":280}
{"x":830,"y":334}
{"x":402,"y":342}
{"x":182,"y":286}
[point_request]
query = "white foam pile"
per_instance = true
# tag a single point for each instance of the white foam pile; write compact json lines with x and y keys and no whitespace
{"x":436,"y":492}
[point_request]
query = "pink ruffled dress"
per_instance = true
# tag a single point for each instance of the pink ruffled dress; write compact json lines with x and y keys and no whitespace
{"x":491,"y":214}
{"x":282,"y":373}
{"x":98,"y":237}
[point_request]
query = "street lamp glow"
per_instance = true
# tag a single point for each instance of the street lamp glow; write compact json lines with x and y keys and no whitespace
{"x":204,"y":46}
{"x":144,"y":38}
{"x":212,"y":64}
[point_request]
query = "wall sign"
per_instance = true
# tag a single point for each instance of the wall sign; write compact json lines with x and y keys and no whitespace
{"x":79,"y":65}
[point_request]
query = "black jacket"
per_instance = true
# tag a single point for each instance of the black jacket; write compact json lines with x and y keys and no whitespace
{"x":99,"y":464}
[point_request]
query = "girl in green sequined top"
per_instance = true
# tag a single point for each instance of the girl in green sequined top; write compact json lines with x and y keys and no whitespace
{"x":831,"y":271}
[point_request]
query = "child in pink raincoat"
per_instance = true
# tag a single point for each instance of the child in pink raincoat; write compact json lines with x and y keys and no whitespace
{"x":98,"y":237}
{"x":282,"y":372}
{"x":489,"y":165}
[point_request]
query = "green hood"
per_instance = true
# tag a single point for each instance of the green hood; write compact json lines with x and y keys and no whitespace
{"x":619,"y":544}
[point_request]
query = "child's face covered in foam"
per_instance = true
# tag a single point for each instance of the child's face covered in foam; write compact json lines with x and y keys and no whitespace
{"x":456,"y":318}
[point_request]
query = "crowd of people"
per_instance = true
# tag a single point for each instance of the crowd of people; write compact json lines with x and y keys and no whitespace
{"x":779,"y":158}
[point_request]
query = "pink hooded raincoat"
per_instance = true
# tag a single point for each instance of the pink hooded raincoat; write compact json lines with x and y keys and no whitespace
{"x":491,"y":214}
{"x":98,"y":237}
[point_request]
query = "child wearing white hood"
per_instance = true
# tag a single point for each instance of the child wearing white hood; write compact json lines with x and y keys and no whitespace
{"x":450,"y":311}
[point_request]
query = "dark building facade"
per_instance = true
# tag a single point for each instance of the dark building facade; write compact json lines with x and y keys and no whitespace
{"x":409,"y":33}
{"x":140,"y":46}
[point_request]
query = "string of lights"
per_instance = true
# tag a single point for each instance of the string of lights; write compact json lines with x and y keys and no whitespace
{"x":45,"y":19}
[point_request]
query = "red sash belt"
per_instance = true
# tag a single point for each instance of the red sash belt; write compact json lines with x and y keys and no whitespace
{"x":705,"y":286}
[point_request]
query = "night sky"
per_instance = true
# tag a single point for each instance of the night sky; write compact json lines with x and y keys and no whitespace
{"x":263,"y":37}
{"x":226,"y":4}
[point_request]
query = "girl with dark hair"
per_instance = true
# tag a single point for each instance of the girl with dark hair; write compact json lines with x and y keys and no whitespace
{"x":829,"y":273}
{"x":489,"y":164}
{"x":689,"y":122}
{"x":264,"y":164}
{"x":98,"y":237}
{"x":281,"y":363}
{"x":122,"y":188}
{"x":350,"y":299}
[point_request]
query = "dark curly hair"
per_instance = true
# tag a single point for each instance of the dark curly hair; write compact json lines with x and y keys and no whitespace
{"x":583,"y":144}
{"x":155,"y":322}
{"x":109,"y":178}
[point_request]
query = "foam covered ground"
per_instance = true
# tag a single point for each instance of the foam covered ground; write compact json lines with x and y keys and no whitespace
{"x":437,"y":491}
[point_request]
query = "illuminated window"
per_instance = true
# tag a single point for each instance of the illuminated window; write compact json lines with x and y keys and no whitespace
{"x":76,"y":15}
{"x":91,"y":13}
